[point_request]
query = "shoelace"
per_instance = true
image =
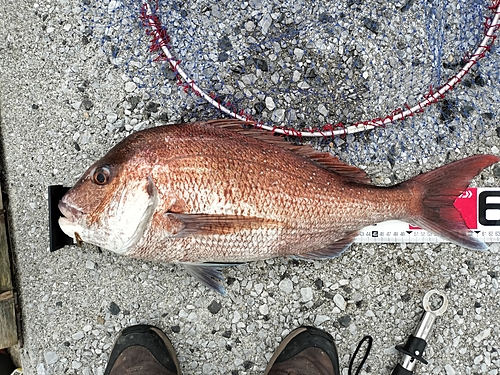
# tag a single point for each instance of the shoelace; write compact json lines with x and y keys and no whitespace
{"x":367,"y":352}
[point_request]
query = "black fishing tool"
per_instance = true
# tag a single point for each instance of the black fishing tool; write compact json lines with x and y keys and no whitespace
{"x":414,"y":348}
{"x":58,"y":238}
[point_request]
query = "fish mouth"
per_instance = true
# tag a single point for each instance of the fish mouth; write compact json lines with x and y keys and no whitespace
{"x":70,"y":213}
{"x":67,"y":222}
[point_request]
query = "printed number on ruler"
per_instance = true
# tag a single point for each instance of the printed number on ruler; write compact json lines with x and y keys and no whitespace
{"x":480,"y":208}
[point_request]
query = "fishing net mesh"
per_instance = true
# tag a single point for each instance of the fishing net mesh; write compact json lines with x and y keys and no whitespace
{"x":308,"y":66}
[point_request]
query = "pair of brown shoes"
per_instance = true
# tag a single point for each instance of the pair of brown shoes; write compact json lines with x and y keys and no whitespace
{"x":144,"y":349}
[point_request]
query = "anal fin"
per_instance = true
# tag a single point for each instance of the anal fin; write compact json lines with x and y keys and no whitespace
{"x":331,"y":251}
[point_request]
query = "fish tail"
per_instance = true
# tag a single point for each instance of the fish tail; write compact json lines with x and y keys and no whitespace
{"x":438,"y":190}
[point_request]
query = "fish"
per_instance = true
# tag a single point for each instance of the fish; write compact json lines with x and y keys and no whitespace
{"x":211,"y":194}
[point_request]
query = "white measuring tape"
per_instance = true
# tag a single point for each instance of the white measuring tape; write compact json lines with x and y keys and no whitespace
{"x":480,"y":209}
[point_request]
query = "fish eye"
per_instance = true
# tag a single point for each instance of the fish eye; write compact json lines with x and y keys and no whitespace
{"x":101,"y":176}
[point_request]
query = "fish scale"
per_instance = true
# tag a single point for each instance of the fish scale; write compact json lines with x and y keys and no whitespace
{"x":215,"y":192}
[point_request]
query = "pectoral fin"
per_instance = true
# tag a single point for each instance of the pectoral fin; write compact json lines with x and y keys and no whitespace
{"x":209,"y":274}
{"x":331,"y":251}
{"x":204,"y":224}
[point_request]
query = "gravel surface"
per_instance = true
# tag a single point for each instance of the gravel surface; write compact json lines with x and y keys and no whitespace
{"x":76,"y":77}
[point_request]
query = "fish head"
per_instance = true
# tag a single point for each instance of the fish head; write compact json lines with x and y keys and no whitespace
{"x":110,"y":206}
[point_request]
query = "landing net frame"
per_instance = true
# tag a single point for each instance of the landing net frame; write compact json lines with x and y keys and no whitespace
{"x":160,"y":44}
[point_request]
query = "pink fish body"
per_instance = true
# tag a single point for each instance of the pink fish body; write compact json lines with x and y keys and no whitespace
{"x":205,"y":192}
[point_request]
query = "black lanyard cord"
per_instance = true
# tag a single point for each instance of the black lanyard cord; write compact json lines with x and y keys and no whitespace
{"x":367,"y":352}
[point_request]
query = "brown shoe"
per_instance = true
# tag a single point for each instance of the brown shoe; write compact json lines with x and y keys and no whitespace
{"x":6,"y":365}
{"x":142,"y":349}
{"x":305,"y":351}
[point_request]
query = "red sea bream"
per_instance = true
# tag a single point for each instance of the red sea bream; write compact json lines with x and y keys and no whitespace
{"x":207,"y":194}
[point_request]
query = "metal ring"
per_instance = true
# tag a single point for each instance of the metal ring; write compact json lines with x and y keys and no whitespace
{"x":427,"y":306}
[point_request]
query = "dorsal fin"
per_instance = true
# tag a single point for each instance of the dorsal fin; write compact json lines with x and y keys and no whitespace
{"x":333,"y":164}
{"x":322,"y":159}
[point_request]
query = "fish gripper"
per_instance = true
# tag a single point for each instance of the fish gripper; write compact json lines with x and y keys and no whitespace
{"x":414,"y":348}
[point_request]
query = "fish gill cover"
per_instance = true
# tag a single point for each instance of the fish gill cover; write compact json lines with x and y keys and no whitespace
{"x":316,"y":66}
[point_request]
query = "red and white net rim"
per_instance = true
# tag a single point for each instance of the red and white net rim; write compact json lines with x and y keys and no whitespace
{"x":161,"y":41}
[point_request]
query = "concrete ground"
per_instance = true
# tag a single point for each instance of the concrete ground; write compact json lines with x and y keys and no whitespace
{"x":64,"y":102}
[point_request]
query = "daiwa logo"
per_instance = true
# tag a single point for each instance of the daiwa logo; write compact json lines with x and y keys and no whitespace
{"x":489,"y":208}
{"x":467,"y":194}
{"x":466,"y":203}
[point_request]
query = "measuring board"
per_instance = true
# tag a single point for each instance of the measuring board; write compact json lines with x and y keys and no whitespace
{"x":480,"y":209}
